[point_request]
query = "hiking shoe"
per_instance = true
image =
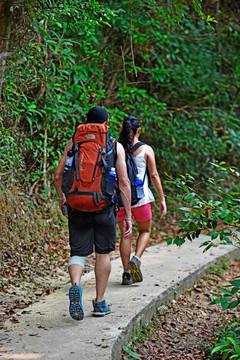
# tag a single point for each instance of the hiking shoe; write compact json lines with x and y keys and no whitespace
{"x":100,"y":308}
{"x":134,"y":265}
{"x":126,"y":278}
{"x":75,"y":306}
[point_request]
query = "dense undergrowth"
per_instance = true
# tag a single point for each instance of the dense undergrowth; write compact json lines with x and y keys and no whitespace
{"x":162,"y":63}
{"x":34,"y":239}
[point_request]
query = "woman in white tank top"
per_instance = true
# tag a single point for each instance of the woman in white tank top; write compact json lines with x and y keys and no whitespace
{"x":145,"y":160}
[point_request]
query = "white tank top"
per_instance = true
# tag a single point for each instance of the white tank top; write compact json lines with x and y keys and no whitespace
{"x":142,"y":166}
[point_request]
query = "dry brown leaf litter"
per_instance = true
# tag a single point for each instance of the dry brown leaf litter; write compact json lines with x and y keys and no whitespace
{"x":185,"y":326}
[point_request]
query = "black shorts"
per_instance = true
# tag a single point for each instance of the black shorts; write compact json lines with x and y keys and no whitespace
{"x":92,"y":231}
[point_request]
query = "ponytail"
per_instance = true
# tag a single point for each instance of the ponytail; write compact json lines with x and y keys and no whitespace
{"x":129,"y":130}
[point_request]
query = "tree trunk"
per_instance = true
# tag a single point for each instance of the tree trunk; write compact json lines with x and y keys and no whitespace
{"x":5,"y":30}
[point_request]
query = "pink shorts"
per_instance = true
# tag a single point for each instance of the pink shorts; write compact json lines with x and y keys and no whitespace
{"x":140,"y":213}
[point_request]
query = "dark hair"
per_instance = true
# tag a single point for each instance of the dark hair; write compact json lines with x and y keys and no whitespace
{"x":129,"y":130}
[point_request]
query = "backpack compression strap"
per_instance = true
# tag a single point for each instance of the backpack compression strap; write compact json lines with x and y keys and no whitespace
{"x":76,"y":156}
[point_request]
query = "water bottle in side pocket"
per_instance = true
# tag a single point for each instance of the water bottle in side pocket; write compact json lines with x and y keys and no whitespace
{"x":69,"y":160}
{"x":139,"y":186}
{"x":112,"y":177}
{"x":68,"y":172}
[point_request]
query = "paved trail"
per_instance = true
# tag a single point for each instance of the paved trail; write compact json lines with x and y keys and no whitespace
{"x":46,"y":331}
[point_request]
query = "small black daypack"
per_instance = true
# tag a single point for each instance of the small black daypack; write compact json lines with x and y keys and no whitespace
{"x":132,"y":173}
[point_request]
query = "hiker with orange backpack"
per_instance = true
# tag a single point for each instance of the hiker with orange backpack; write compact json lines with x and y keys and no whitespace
{"x":143,"y":158}
{"x":85,"y":180}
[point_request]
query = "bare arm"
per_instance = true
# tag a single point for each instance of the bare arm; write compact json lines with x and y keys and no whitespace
{"x":58,"y":177}
{"x":155,"y":178}
{"x":125,"y":189}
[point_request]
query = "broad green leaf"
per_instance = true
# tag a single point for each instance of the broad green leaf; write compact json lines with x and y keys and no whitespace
{"x":218,"y":348}
{"x":185,"y":209}
{"x":213,"y":234}
{"x":233,"y":304}
{"x":235,"y":283}
{"x":190,"y":196}
{"x":132,"y":353}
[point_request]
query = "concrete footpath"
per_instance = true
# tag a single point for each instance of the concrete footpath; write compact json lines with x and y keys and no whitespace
{"x":46,"y":331}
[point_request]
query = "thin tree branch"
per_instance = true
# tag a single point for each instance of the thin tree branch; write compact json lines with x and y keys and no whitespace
{"x":124,"y":69}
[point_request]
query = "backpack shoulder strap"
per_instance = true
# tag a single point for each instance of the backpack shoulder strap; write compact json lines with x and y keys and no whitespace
{"x":115,"y":151}
{"x":134,"y":148}
{"x":137,"y":145}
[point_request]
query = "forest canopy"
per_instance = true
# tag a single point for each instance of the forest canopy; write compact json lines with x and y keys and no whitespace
{"x":173,"y":64}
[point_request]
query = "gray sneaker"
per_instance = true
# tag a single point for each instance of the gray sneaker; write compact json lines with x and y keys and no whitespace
{"x":134,"y":265}
{"x":126,"y":278}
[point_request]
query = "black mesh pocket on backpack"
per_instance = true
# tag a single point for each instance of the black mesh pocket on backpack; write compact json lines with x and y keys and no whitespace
{"x":68,"y":177}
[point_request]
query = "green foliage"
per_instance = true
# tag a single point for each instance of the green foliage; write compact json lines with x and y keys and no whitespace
{"x":161,"y":63}
{"x":133,"y":354}
{"x":139,"y":337}
{"x":228,"y":343}
{"x":34,"y":237}
{"x":215,"y":269}
{"x":10,"y":157}
{"x":220,"y":214}
{"x":185,"y":91}
{"x":48,"y":85}
{"x":231,"y":295}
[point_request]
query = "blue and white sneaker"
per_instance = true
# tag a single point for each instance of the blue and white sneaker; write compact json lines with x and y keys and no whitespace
{"x":75,"y":306}
{"x":100,"y":308}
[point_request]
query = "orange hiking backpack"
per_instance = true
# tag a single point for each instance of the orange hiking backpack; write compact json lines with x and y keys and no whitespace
{"x":85,"y":175}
